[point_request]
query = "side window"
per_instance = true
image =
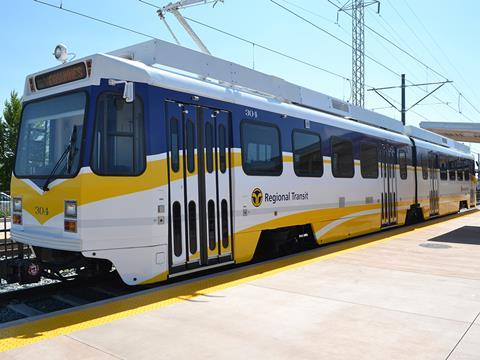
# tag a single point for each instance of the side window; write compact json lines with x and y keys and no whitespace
{"x":209,"y":146}
{"x":424,"y":164}
{"x":460,"y":167}
{"x":119,"y":137}
{"x":261,"y":153}
{"x":174,"y":144}
{"x":402,"y":160}
{"x":451,"y":170}
{"x":443,"y":169}
{"x":369,"y":160}
{"x":190,"y":146}
{"x":468,"y":165}
{"x":307,"y":154}
{"x":342,"y":158}
{"x":222,"y":145}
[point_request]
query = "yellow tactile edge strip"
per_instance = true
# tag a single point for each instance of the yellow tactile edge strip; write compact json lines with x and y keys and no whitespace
{"x":65,"y":323}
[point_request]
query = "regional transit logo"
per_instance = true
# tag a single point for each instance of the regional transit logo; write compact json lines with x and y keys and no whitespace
{"x":257,"y":197}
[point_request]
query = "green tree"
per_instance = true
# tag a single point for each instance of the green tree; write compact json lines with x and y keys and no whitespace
{"x":8,"y":138}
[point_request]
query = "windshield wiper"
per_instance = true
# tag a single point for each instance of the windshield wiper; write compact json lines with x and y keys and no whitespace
{"x":70,"y":150}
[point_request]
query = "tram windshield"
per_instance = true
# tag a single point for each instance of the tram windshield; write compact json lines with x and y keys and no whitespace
{"x":45,"y":135}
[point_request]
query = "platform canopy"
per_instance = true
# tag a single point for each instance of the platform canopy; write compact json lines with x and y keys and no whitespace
{"x":460,"y":131}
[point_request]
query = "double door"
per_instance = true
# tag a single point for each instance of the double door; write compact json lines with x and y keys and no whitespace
{"x":199,"y":167}
{"x":433,"y":173}
{"x":388,"y":160}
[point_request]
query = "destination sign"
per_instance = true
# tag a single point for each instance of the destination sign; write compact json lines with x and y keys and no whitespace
{"x":61,"y":76}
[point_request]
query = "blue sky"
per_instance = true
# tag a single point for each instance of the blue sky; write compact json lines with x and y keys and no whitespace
{"x":443,"y":34}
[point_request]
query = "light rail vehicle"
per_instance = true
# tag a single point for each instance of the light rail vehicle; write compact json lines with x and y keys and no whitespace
{"x":202,"y":163}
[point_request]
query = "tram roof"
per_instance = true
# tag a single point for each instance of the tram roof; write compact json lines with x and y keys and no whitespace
{"x":206,"y":75}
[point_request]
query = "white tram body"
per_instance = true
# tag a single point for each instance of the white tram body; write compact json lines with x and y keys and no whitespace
{"x":193,"y":173}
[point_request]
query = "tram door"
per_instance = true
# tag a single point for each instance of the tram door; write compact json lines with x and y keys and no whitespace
{"x":388,"y":160}
{"x":199,"y":165}
{"x":433,"y":176}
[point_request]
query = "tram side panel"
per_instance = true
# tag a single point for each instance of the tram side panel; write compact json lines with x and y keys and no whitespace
{"x":336,"y":198}
{"x":444,"y":183}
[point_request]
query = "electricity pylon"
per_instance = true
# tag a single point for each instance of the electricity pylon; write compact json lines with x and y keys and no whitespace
{"x":357,"y":7}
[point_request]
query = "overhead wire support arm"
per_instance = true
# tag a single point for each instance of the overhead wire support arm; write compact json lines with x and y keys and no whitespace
{"x":403,"y":109}
{"x":411,"y":85}
{"x":384,"y":98}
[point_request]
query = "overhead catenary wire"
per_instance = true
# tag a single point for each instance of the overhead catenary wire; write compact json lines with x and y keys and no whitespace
{"x":332,"y":35}
{"x":109,"y":23}
{"x":268,"y":49}
{"x":409,"y":54}
{"x":255,"y":44}
{"x":441,"y":50}
{"x":367,"y":56}
{"x":393,"y":44}
{"x":63,"y":8}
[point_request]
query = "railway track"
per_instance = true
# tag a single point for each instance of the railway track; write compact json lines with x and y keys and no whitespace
{"x":26,"y":303}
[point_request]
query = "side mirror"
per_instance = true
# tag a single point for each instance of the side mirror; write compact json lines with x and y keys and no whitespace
{"x":128,"y":89}
{"x":129,"y":92}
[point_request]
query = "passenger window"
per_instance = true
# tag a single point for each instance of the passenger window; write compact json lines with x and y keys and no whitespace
{"x":424,"y":164}
{"x":261,"y":153}
{"x":307,"y":154}
{"x":174,"y":144}
{"x":222,"y":145}
{"x":467,"y":170}
{"x":443,"y":170}
{"x":192,"y":226}
{"x":190,"y":146}
{"x":119,"y":137}
{"x":460,"y":167}
{"x":209,"y":146}
{"x":369,"y":161}
{"x":451,"y":170}
{"x":402,"y":160}
{"x":177,"y":228}
{"x":342,"y":158}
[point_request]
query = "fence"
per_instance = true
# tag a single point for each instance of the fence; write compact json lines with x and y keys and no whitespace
{"x":4,"y":204}
{"x":9,"y":250}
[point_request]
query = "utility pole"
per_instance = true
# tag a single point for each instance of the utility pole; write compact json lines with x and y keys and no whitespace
{"x":357,"y":7}
{"x":403,"y":99}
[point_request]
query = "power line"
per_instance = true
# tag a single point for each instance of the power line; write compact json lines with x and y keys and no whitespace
{"x":197,"y":22}
{"x":275,"y":51}
{"x":429,"y":52}
{"x":415,"y":58}
{"x":317,"y":15}
{"x":393,"y":44}
{"x":95,"y":19}
{"x":261,"y":46}
{"x":416,"y":36}
{"x":331,"y":35}
{"x":309,"y":11}
{"x":267,"y":48}
{"x":446,"y":57}
{"x":343,"y":42}
{"x":62,"y":8}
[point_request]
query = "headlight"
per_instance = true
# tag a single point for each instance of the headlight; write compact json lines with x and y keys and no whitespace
{"x":17,"y":204}
{"x":70,"y":209}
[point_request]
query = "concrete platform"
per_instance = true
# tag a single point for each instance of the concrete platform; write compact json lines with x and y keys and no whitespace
{"x":411,"y":293}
